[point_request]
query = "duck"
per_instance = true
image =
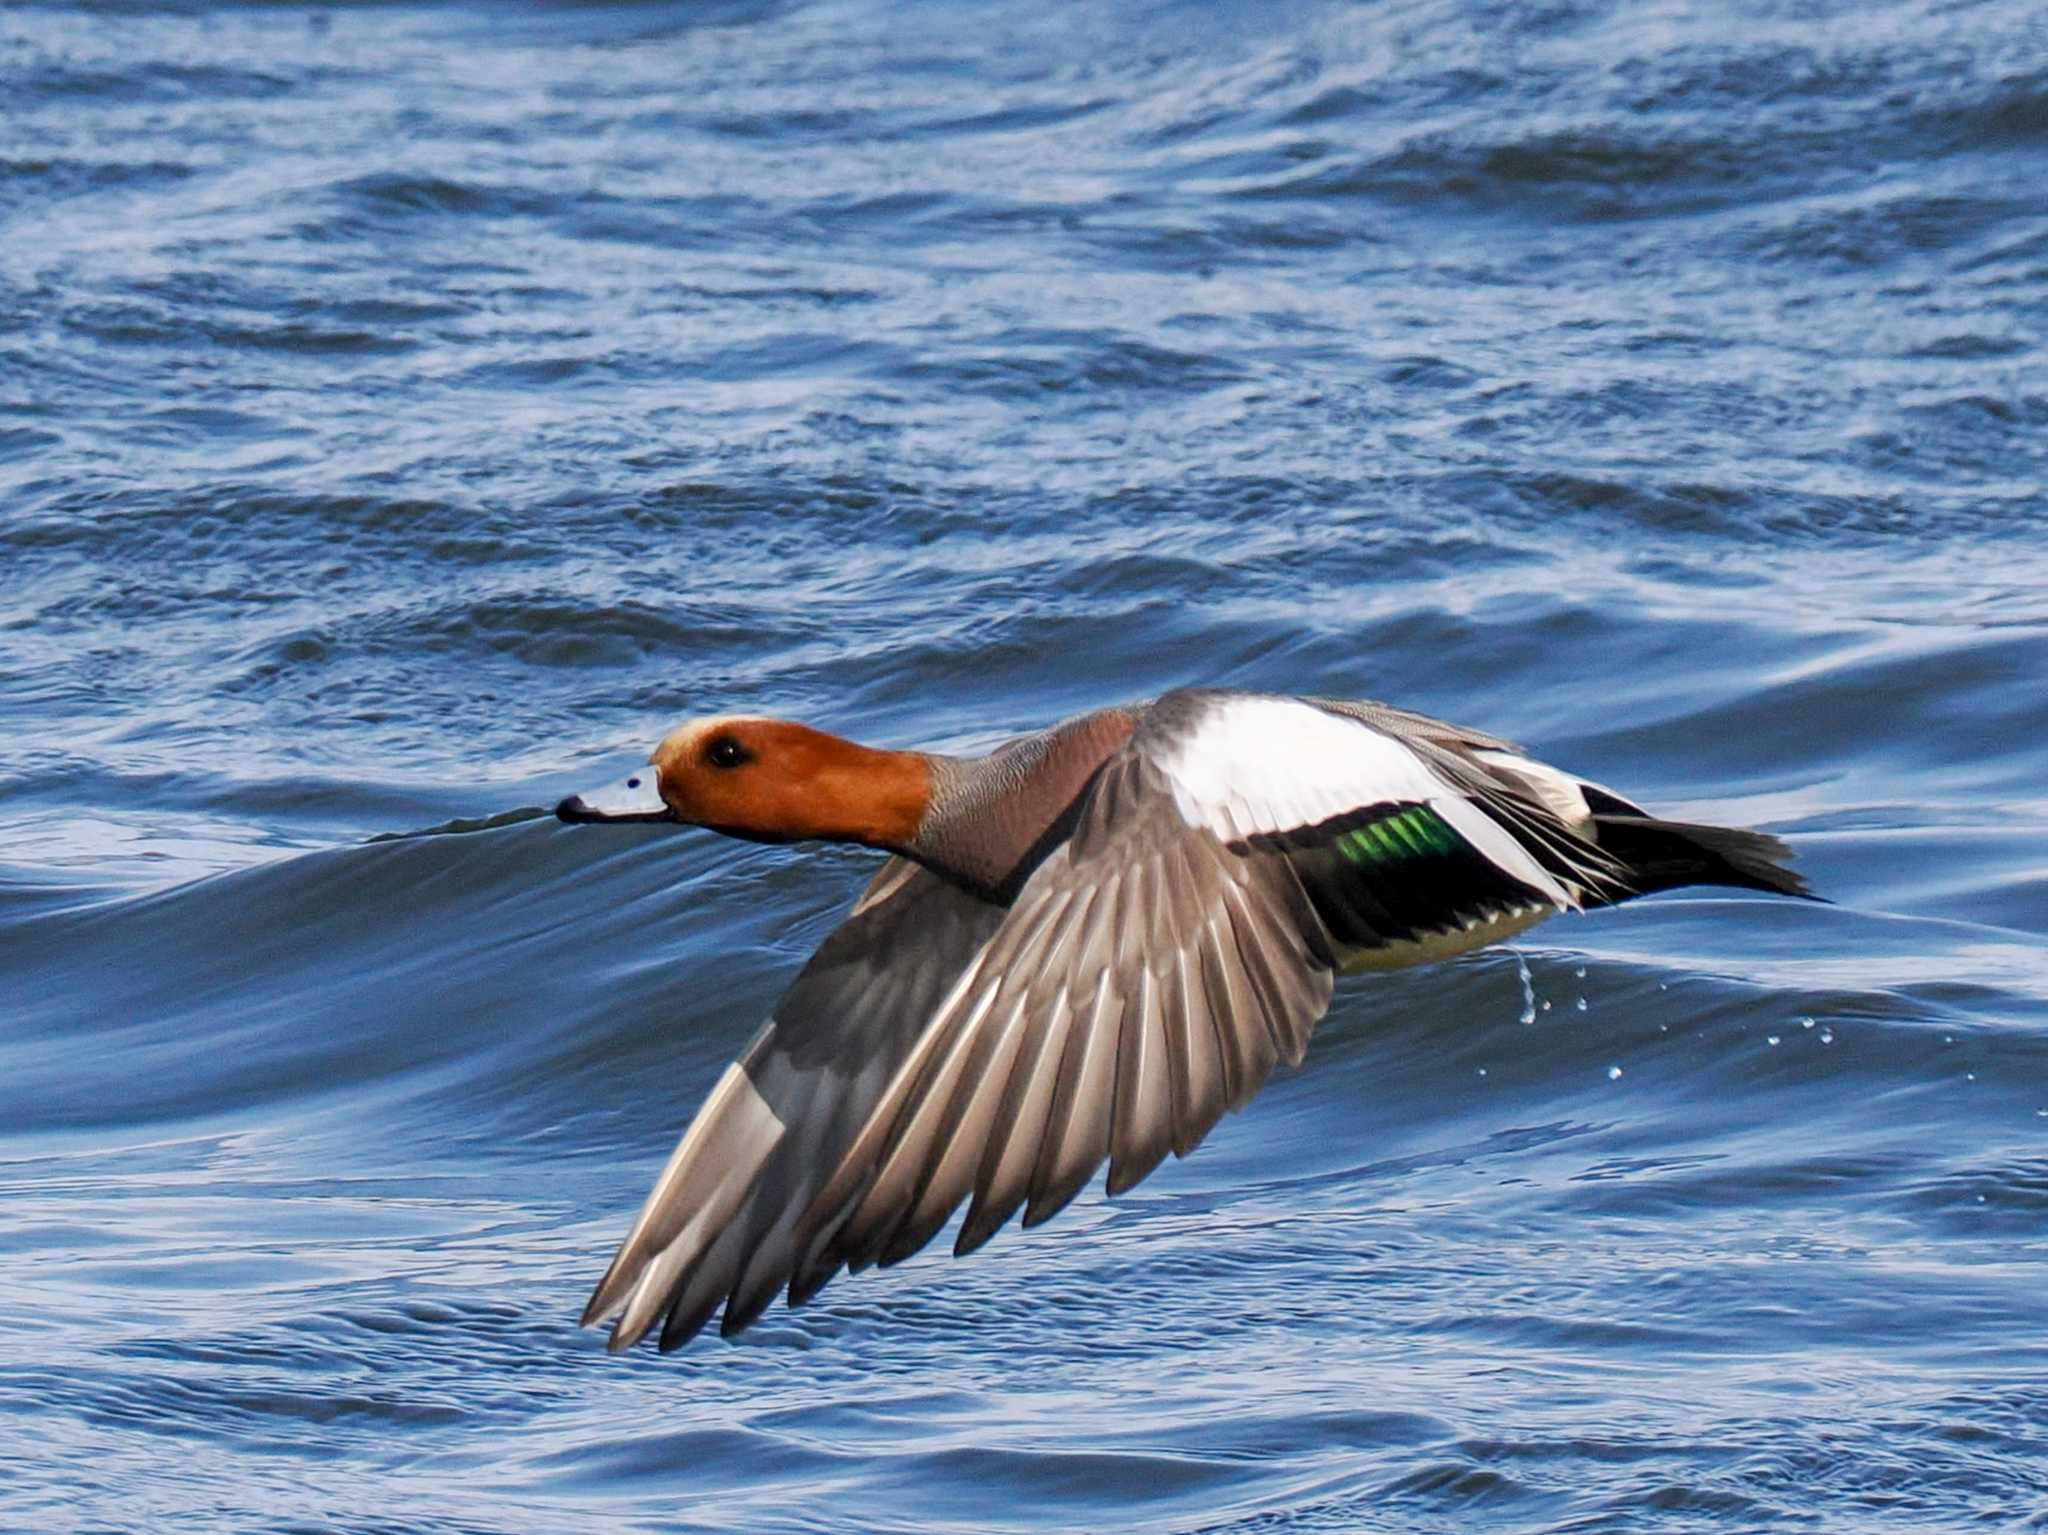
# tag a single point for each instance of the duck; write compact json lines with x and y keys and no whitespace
{"x":1084,"y":947}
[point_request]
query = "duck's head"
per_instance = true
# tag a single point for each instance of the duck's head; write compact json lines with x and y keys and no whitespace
{"x":768,"y":780}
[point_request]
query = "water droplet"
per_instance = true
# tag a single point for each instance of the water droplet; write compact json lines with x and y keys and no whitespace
{"x":1662,"y":987}
{"x":1827,"y":1036}
{"x":1546,"y":1004}
{"x":1614,"y":1073}
{"x":1482,"y":1071}
{"x":2041,"y":1113}
{"x":1969,"y":1076}
{"x":1948,"y":1039}
{"x":1580,"y":972}
{"x":1981,"y":1199}
{"x":1663,"y":1028}
{"x":1528,"y":988}
{"x":1806,"y":1023}
{"x":1771,"y":1039}
{"x":1580,"y":1004}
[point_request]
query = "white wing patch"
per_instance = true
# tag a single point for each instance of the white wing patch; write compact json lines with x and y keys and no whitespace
{"x":1270,"y":765}
{"x":1265,"y":765}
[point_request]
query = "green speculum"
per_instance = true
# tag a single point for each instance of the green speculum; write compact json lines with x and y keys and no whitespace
{"x":1416,"y":832}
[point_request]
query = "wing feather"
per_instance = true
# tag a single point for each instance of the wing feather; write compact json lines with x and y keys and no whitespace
{"x":1004,"y":1180}
{"x":1141,"y":1133}
{"x":1076,"y":1135}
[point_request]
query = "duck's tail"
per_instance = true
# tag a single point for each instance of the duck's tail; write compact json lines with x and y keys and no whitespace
{"x":1664,"y":855}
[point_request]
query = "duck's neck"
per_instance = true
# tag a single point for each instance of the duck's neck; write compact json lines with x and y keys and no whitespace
{"x":991,"y":820}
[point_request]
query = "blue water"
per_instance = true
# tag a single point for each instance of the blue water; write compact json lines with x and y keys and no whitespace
{"x":406,"y":414}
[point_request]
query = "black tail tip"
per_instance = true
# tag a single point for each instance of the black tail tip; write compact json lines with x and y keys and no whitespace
{"x":1666,"y":855}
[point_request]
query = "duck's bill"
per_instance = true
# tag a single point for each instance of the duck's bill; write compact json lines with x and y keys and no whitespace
{"x":635,"y":798}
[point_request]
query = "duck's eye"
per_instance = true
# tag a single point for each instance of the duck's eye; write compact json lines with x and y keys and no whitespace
{"x":725,"y":752}
{"x":632,"y":783}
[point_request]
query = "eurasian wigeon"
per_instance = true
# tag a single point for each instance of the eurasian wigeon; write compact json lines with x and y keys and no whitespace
{"x":1089,"y":944}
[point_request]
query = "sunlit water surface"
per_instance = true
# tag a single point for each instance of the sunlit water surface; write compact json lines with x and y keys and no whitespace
{"x":406,"y":414}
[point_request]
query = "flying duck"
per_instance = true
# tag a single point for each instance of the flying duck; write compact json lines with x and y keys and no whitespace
{"x":1086,"y":947}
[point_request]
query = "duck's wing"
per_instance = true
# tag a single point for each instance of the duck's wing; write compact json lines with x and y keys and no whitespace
{"x":1156,"y":965}
{"x":719,"y":1226}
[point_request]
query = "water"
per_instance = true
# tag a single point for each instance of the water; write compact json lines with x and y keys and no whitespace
{"x":406,"y":414}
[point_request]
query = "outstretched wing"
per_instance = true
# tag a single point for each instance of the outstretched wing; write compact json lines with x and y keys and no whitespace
{"x":1145,"y":981}
{"x":719,"y":1226}
{"x":1152,"y":970}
